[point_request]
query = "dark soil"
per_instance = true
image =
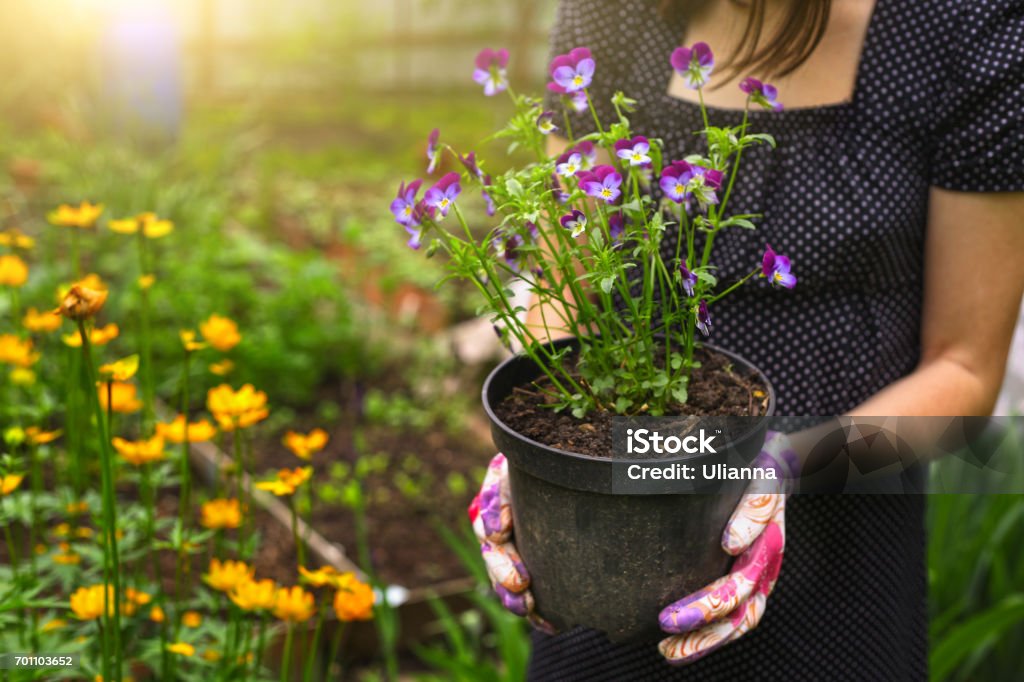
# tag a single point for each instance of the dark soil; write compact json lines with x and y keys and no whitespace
{"x":716,"y":389}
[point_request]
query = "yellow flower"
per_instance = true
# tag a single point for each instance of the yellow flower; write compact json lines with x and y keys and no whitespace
{"x":13,"y":271}
{"x":354,"y":601}
{"x":15,"y":239}
{"x":146,"y":281}
{"x":237,"y":409}
{"x":182,"y":648}
{"x":72,"y":507}
{"x":191,"y":619}
{"x":140,"y":452}
{"x":121,"y":370}
{"x":124,"y":397}
{"x":220,"y":332}
{"x":47,"y":321}
{"x":211,"y":655}
{"x":222,"y":368}
{"x":226,"y":576}
{"x":55,"y":624}
{"x":294,"y":604}
{"x":66,"y":556}
{"x":22,"y":376}
{"x":10,"y":482}
{"x":137,"y":597}
{"x":152,"y":227}
{"x":254,"y":595}
{"x":98,"y":336}
{"x":157,"y":615}
{"x":287,"y":481}
{"x":188,"y":340}
{"x":87,"y":602}
{"x":305,"y":446}
{"x":221,"y":513}
{"x":174,"y":431}
{"x":17,"y":351}
{"x":325,"y":575}
{"x":83,"y":216}
{"x":81,"y":302}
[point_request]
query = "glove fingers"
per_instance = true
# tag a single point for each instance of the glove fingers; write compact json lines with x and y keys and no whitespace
{"x":748,"y":520}
{"x":520,"y":603}
{"x":494,"y":519}
{"x":708,"y":604}
{"x":505,"y":567}
{"x":686,"y":648}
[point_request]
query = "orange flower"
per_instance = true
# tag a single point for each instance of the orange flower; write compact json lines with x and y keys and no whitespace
{"x":181,"y":648}
{"x":305,"y":446}
{"x":140,"y":452}
{"x":198,"y":432}
{"x":87,"y":602}
{"x":222,"y":368}
{"x":36,"y":321}
{"x":55,"y":624}
{"x":83,"y":216}
{"x":228,"y":575}
{"x":146,"y":281}
{"x":151,"y":226}
{"x":98,"y":336}
{"x":81,"y":302}
{"x":294,"y":604}
{"x":157,"y":615}
{"x":17,"y":351}
{"x":66,"y":556}
{"x":237,"y":409}
{"x":287,"y":481}
{"x":121,"y":370}
{"x":354,"y":601}
{"x":220,"y":332}
{"x":191,"y":619}
{"x":188,"y":340}
{"x":10,"y":482}
{"x":255,"y":595}
{"x":16,"y":239}
{"x":137,"y":597}
{"x":13,"y":271}
{"x":36,"y":436}
{"x":221,"y":513}
{"x":325,"y":575}
{"x":124,"y":397}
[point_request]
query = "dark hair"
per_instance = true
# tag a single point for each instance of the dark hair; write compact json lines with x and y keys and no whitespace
{"x":798,"y":34}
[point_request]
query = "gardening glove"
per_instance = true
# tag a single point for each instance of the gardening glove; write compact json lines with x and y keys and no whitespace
{"x":733,"y":605}
{"x":491,"y":515}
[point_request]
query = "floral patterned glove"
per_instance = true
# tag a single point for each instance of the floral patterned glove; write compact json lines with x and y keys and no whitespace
{"x":491,"y":515}
{"x":733,"y":605}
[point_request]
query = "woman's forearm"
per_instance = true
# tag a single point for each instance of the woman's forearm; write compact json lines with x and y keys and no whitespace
{"x":941,"y":387}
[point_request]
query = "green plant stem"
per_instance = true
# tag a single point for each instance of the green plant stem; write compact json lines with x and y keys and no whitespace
{"x":307,"y":675}
{"x":335,"y":650}
{"x":300,"y":551}
{"x":185,"y":499}
{"x":148,"y":389}
{"x":260,"y":642}
{"x":286,"y":658}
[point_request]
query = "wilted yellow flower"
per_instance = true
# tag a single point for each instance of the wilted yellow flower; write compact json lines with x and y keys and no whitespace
{"x":140,"y":452}
{"x":305,"y":446}
{"x":220,"y":332}
{"x":87,"y":602}
{"x":121,"y":370}
{"x":10,"y":482}
{"x":226,"y":576}
{"x":55,"y":624}
{"x":191,"y":619}
{"x":182,"y":648}
{"x":198,"y":431}
{"x":15,"y":239}
{"x":83,"y":216}
{"x":151,"y":226}
{"x":255,"y":595}
{"x":17,"y":351}
{"x":124,"y":397}
{"x":22,"y":376}
{"x":221,"y":513}
{"x":287,"y":481}
{"x":98,"y":336}
{"x":237,"y":409}
{"x":81,"y":302}
{"x":222,"y":368}
{"x":354,"y":600}
{"x":13,"y":271}
{"x":36,"y":436}
{"x":294,"y":604}
{"x":188,"y":340}
{"x":157,"y":615}
{"x":47,"y":321}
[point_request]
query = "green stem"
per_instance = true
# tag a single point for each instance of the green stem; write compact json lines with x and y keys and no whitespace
{"x":287,"y":657}
{"x":332,"y":657}
{"x":300,"y":551}
{"x":311,"y":655}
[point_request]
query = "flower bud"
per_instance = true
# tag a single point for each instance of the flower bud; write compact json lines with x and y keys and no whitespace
{"x":81,"y":303}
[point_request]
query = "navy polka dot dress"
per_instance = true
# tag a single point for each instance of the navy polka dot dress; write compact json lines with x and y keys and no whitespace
{"x":938,"y":102}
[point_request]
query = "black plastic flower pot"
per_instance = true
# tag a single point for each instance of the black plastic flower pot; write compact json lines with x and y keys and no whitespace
{"x":600,"y":558}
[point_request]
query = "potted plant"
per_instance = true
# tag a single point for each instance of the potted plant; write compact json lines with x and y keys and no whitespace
{"x":587,"y":239}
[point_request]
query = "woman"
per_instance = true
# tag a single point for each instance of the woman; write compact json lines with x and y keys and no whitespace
{"x":898,"y":189}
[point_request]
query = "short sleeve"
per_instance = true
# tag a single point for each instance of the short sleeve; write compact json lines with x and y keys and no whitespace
{"x":978,"y":139}
{"x":616,"y":32}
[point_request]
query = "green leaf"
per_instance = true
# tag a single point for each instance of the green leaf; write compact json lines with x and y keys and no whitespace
{"x":963,"y":640}
{"x":514,"y":187}
{"x":607,"y":283}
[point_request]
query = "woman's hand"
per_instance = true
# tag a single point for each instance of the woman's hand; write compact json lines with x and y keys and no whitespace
{"x":491,"y":515}
{"x":733,"y":605}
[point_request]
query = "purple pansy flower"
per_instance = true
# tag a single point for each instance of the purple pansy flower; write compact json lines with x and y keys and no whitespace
{"x":634,"y":151}
{"x":764,"y":94}
{"x":469,"y":162}
{"x":694,"y":64}
{"x":601,"y":183}
{"x":674,"y":178}
{"x":689,"y":279}
{"x":490,"y":70}
{"x":546,"y":123}
{"x":433,"y":151}
{"x":573,"y":72}
{"x":576,"y":222}
{"x":569,"y":164}
{"x":404,"y":205}
{"x":704,"y":319}
{"x":578,"y":99}
{"x":776,"y":268}
{"x":560,"y":195}
{"x":415,"y":226}
{"x":442,"y":195}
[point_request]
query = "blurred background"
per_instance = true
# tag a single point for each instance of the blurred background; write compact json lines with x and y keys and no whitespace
{"x":274,"y":135}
